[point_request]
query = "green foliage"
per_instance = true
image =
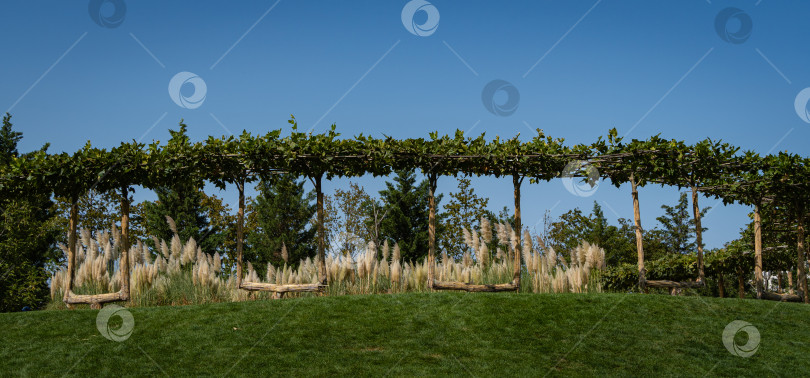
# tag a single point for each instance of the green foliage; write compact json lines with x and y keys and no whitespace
{"x":223,"y":225}
{"x":97,"y":211}
{"x":619,"y":242}
{"x":180,"y":167}
{"x":182,"y":200}
{"x":464,"y":210}
{"x":359,"y":219}
{"x":679,"y":226}
{"x":673,"y":267}
{"x":27,"y":237}
{"x":281,"y":213}
{"x":406,"y":215}
{"x":185,"y":206}
{"x":566,"y":233}
{"x":8,"y":141}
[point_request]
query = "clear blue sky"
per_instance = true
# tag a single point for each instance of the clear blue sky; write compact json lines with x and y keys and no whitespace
{"x":581,"y":67}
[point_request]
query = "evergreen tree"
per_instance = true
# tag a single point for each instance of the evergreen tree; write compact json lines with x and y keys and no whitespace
{"x":27,"y":238}
{"x":463,"y":211}
{"x":8,"y":141}
{"x":679,"y":227}
{"x":406,"y":215}
{"x":184,"y":205}
{"x":280,"y":215}
{"x":599,"y":225}
{"x":183,"y":202}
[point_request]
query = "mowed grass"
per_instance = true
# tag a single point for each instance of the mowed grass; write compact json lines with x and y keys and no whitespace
{"x":458,"y":334}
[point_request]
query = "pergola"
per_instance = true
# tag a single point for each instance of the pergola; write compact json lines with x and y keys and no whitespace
{"x":713,"y":168}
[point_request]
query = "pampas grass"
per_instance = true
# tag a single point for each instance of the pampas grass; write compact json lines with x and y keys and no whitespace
{"x":175,"y":273}
{"x":181,"y":273}
{"x":284,"y":255}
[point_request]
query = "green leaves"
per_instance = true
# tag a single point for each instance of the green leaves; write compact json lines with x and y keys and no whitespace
{"x":716,"y":168}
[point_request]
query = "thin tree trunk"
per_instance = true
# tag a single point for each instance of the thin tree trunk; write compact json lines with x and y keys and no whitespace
{"x":790,"y":281}
{"x":642,"y":272}
{"x":758,"y":250}
{"x":698,"y":234}
{"x":240,"y":230}
{"x":124,"y":262}
{"x":800,"y":252}
{"x":321,"y":235}
{"x":721,"y":285}
{"x":516,"y":181}
{"x":431,"y":228}
{"x":740,"y":282}
{"x":74,"y":218}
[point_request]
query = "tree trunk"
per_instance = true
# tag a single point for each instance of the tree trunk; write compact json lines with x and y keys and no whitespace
{"x":740,"y":282}
{"x":440,"y":285}
{"x":642,"y":272}
{"x":431,"y":228}
{"x":240,"y":230}
{"x":781,"y":297}
{"x":800,"y":252}
{"x":790,"y":281}
{"x":290,"y":288}
{"x":321,"y":234}
{"x":758,"y":250}
{"x":95,"y":300}
{"x":516,"y":181}
{"x":124,"y":262}
{"x":721,"y":285}
{"x":74,"y":218}
{"x":698,"y":234}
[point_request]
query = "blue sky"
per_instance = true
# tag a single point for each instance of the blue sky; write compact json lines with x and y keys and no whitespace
{"x":581,"y":67}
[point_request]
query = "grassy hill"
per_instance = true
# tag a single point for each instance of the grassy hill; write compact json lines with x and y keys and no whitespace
{"x":413,"y":334}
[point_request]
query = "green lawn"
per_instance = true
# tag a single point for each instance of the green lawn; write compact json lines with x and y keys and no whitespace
{"x":461,"y":334}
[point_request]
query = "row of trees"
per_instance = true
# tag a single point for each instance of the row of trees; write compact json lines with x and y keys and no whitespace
{"x":281,"y":223}
{"x":675,"y":235}
{"x":179,"y":168}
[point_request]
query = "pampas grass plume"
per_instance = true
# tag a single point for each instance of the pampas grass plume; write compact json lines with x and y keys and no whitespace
{"x":284,"y":255}
{"x":172,"y":225}
{"x":486,"y":230}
